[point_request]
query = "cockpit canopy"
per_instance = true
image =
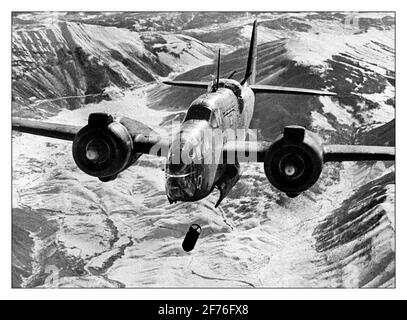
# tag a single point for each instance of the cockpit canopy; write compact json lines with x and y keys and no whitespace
{"x":198,"y":112}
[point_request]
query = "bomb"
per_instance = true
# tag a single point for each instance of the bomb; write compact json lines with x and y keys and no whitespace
{"x":191,"y":237}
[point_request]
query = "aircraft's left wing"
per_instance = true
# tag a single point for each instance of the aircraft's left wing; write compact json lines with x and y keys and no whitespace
{"x":240,"y":150}
{"x":256,"y":152}
{"x":46,"y":129}
{"x":294,"y":161}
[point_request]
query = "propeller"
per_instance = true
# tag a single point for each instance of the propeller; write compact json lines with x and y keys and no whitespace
{"x":294,"y":161}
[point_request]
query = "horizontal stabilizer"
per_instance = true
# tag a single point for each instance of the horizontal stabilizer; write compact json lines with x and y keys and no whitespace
{"x":190,"y":84}
{"x":358,"y":153}
{"x":261,"y":88}
{"x":46,"y":129}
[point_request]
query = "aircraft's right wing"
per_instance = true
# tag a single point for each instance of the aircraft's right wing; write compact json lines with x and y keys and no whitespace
{"x":46,"y":129}
{"x":105,"y":146}
{"x":144,"y":139}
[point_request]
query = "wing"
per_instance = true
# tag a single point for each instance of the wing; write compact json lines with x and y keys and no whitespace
{"x":145,"y":140}
{"x":245,"y":151}
{"x":256,"y":152}
{"x":189,"y":84}
{"x":261,"y":88}
{"x":104,"y":147}
{"x":46,"y":129}
{"x":358,"y":153}
{"x":293,"y":162}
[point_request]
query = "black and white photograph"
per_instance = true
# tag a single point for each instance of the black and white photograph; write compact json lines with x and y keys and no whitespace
{"x":203,"y":149}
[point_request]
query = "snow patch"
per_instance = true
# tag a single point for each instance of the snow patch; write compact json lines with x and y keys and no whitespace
{"x":342,"y":115}
{"x":319,"y":121}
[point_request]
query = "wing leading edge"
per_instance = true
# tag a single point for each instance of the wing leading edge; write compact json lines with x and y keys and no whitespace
{"x":46,"y":129}
{"x":358,"y":153}
{"x":144,"y":141}
{"x":331,"y":153}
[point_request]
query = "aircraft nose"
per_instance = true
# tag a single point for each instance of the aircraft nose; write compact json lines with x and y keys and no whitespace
{"x":180,"y":188}
{"x":178,"y":167}
{"x":175,"y":193}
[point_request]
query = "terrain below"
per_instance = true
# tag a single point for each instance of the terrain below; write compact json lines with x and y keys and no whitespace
{"x":71,"y":230}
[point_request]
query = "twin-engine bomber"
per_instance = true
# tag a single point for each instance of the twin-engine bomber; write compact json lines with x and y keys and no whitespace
{"x":293,"y":163}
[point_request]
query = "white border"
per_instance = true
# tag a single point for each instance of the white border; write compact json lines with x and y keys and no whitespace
{"x":207,"y":5}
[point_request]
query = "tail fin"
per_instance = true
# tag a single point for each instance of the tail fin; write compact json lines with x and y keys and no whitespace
{"x":218,"y":71}
{"x":250,"y":75}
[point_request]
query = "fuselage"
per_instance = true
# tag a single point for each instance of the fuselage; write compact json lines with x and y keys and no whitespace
{"x":194,"y":162}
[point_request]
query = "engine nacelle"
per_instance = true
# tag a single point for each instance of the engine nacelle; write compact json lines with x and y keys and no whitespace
{"x":103,"y":148}
{"x":294,"y":161}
